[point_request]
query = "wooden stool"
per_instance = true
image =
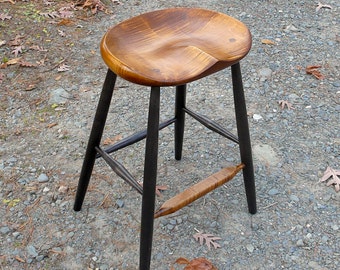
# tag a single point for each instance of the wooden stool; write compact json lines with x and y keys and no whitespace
{"x":171,"y":47}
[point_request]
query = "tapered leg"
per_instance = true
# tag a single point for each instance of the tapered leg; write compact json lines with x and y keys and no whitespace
{"x":150,"y":177}
{"x":244,"y":138}
{"x":180,"y":118}
{"x":95,"y":137}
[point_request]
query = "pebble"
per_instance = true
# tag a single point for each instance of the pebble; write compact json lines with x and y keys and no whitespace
{"x":58,"y":96}
{"x":250,"y":248}
{"x":294,"y":198}
{"x":32,"y":251}
{"x":265,"y":74}
{"x":42,"y":178}
{"x":300,"y":243}
{"x":257,"y":117}
{"x":120,"y":203}
{"x":273,"y":191}
{"x":5,"y":230}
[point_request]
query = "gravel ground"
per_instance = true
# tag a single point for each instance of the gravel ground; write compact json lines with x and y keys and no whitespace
{"x":46,"y":115}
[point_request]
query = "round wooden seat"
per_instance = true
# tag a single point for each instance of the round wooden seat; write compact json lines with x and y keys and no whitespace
{"x":174,"y":46}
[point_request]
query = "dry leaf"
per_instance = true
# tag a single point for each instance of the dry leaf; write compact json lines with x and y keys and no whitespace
{"x":196,"y":264}
{"x":313,"y":70}
{"x":24,"y":63}
{"x":268,"y":42}
{"x":158,"y":188}
{"x":320,"y":6}
{"x":5,"y":17}
{"x":17,"y":50}
{"x":16,"y":41}
{"x":109,"y":141}
{"x":2,"y":77}
{"x":63,"y":68}
{"x":285,"y":103}
{"x":8,"y":1}
{"x":333,"y":176}
{"x":65,"y":21}
{"x":93,"y":5}
{"x":208,"y":238}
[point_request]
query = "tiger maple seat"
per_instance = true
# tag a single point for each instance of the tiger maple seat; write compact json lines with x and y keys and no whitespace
{"x":171,"y":47}
{"x":174,"y":46}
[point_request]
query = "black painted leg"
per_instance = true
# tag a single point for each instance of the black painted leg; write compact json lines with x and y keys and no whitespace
{"x":150,"y":177}
{"x":95,"y":137}
{"x":244,"y":137}
{"x":180,"y":118}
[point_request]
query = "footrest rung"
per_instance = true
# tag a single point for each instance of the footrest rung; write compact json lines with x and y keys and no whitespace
{"x":198,"y":190}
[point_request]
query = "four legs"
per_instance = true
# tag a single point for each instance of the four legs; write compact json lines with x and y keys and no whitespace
{"x":95,"y":137}
{"x":149,"y":183}
{"x":243,"y":137}
{"x":151,"y":151}
{"x":180,"y":117}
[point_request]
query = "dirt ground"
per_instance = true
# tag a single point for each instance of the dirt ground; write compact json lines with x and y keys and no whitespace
{"x":51,"y":74}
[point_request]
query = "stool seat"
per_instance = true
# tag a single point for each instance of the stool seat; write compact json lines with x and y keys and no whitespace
{"x":174,"y":46}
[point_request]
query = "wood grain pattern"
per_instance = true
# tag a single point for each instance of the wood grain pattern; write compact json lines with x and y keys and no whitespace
{"x":198,"y":190}
{"x":174,"y":46}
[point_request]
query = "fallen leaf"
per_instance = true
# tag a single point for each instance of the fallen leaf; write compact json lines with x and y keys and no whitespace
{"x":10,"y":62}
{"x":17,"y":50}
{"x":158,"y":190}
{"x":63,"y":67}
{"x":313,"y":70}
{"x":268,"y":42}
{"x":2,"y":77}
{"x":52,"y":15}
{"x":38,"y":48}
{"x":285,"y":103}
{"x":52,"y":125}
{"x":208,"y":238}
{"x":5,"y":17}
{"x":16,"y":41}
{"x":93,"y":5}
{"x":30,"y":87}
{"x":61,"y":33}
{"x":333,"y":176}
{"x":320,"y":6}
{"x":109,"y":141}
{"x":9,"y":1}
{"x":65,"y":21}
{"x":2,"y":42}
{"x":196,"y":264}
{"x":24,"y":63}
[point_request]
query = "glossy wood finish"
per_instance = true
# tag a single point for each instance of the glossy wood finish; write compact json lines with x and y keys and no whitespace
{"x":198,"y":190}
{"x":174,"y":46}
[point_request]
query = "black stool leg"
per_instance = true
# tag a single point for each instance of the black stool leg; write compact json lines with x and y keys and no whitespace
{"x":180,"y":117}
{"x":150,"y":177}
{"x":95,"y":137}
{"x":244,"y":138}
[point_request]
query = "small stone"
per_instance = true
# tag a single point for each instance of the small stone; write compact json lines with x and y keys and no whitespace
{"x":120,"y":203}
{"x":170,"y":227}
{"x":46,"y":189}
{"x":59,"y":96}
{"x":335,"y":227}
{"x":103,"y":267}
{"x":39,"y":258}
{"x":42,"y":178}
{"x":300,"y":243}
{"x":173,"y":221}
{"x":273,"y":191}
{"x":257,"y":117}
{"x":4,"y":230}
{"x":294,"y":198}
{"x":265,"y":74}
{"x":32,"y":251}
{"x":63,"y":189}
{"x":250,"y":248}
